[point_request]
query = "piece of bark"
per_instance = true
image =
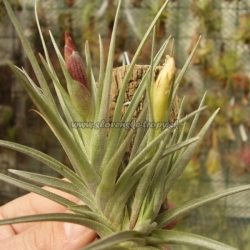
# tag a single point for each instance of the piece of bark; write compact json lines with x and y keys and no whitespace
{"x":134,"y":81}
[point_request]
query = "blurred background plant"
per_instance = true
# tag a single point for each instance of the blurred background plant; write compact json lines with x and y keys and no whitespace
{"x":15,"y":4}
{"x":221,"y":66}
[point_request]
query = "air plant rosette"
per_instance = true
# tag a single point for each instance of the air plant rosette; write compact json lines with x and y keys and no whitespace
{"x":123,"y":207}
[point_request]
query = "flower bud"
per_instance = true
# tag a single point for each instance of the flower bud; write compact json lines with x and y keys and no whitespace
{"x":78,"y":88}
{"x":161,"y":90}
{"x":74,"y":62}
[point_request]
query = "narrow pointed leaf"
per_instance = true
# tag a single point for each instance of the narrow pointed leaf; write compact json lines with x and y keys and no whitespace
{"x":90,"y":75}
{"x":181,"y":163}
{"x":42,"y":81}
{"x":183,"y":71}
{"x":57,"y":166}
{"x":100,"y":80}
{"x":188,"y":239}
{"x":137,"y":95}
{"x":108,"y":242}
{"x":61,"y":131}
{"x":133,"y":165}
{"x":109,"y":175}
{"x":37,"y":190}
{"x":81,"y":136}
{"x":101,"y":229}
{"x":144,"y":184}
{"x":42,"y":38}
{"x":25,"y":74}
{"x":140,"y":134}
{"x":121,"y":197}
{"x":51,"y":182}
{"x":165,"y":218}
{"x":118,"y":133}
{"x":84,"y":169}
{"x":98,"y":142}
{"x":83,"y":210}
{"x":134,"y":60}
{"x":196,"y":118}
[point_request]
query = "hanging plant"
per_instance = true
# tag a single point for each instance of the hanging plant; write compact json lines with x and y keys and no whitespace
{"x":123,"y":208}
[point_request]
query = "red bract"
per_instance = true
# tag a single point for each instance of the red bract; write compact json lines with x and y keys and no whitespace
{"x":74,"y":62}
{"x":78,"y":88}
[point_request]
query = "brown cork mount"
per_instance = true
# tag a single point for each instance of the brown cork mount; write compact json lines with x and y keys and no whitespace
{"x":134,"y":81}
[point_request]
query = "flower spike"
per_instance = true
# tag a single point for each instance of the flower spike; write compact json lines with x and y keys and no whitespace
{"x":78,"y":88}
{"x":161,"y":90}
{"x":74,"y":62}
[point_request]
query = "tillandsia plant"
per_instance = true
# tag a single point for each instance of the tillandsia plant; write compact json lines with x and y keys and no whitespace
{"x":122,"y":205}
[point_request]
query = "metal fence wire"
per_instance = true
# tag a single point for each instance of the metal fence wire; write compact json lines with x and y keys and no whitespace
{"x":221,"y":67}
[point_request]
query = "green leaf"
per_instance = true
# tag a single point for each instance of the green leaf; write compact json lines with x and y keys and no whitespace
{"x":182,"y":72}
{"x":48,"y":181}
{"x":90,"y":76}
{"x":23,"y":76}
{"x":134,"y":165}
{"x":182,"y":162}
{"x":117,"y":113}
{"x":150,"y":83}
{"x":59,"y":184}
{"x":125,"y":223}
{"x":144,"y":184}
{"x":42,"y":38}
{"x":121,"y":197}
{"x":119,"y":133}
{"x":174,"y":147}
{"x":138,"y":142}
{"x":196,"y":118}
{"x":83,"y":210}
{"x":174,"y":157}
{"x":99,"y":228}
{"x":162,"y":171}
{"x":108,"y":242}
{"x":187,"y":117}
{"x":169,"y":150}
{"x":125,"y":184}
{"x":98,"y":143}
{"x":37,"y":190}
{"x":110,"y":171}
{"x":115,"y":248}
{"x":64,"y":135}
{"x":180,"y":238}
{"x":165,"y":218}
{"x":57,"y":166}
{"x":109,"y":175}
{"x":150,"y":248}
{"x":114,"y":134}
{"x":141,"y":88}
{"x":81,"y":136}
{"x":42,"y":81}
{"x":101,"y":79}
{"x":86,"y":133}
{"x":194,"y":123}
